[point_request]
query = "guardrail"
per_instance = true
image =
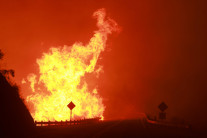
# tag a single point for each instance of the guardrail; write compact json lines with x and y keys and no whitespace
{"x":67,"y":123}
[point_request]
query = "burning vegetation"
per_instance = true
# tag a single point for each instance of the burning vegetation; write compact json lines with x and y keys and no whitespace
{"x":61,"y":77}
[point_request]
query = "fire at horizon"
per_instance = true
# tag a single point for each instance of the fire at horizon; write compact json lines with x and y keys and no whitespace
{"x":61,"y":77}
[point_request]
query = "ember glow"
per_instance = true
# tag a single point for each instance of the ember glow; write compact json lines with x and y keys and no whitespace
{"x":61,"y":77}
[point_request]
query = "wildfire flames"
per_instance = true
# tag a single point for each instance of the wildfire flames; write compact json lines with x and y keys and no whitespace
{"x":61,"y":77}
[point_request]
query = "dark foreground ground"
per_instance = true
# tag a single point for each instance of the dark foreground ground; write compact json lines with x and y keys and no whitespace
{"x":114,"y":129}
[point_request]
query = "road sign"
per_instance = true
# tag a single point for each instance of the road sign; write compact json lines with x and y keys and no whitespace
{"x":71,"y":105}
{"x":162,"y":106}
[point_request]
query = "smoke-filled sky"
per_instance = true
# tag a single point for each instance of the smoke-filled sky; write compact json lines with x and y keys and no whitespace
{"x":160,"y":54}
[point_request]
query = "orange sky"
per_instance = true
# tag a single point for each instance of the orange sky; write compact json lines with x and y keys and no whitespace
{"x":160,"y":55}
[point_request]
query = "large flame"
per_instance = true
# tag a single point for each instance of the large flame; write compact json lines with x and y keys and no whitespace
{"x":62,"y":73}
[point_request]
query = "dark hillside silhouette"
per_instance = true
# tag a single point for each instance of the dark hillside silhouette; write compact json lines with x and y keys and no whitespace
{"x":15,"y":119}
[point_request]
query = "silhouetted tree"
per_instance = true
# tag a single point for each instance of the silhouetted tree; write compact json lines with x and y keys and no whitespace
{"x":15,"y":119}
{"x":1,"y":54}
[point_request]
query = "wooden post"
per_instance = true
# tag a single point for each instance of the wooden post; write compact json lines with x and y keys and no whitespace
{"x":70,"y":116}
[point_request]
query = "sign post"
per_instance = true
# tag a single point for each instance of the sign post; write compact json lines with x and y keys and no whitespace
{"x":162,"y":107}
{"x":71,"y":105}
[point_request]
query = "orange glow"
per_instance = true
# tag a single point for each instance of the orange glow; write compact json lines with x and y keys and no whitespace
{"x":62,"y":73}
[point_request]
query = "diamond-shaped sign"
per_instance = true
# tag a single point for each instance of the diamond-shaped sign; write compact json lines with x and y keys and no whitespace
{"x":71,"y":105}
{"x":162,"y":106}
